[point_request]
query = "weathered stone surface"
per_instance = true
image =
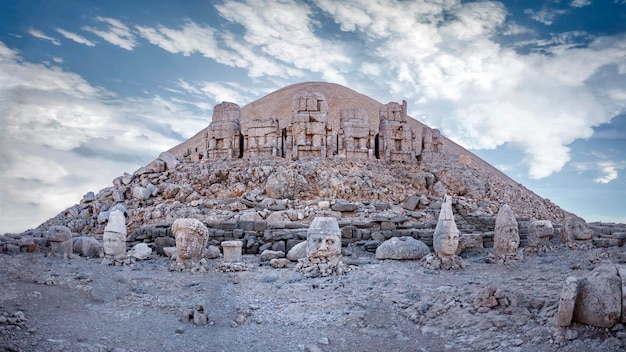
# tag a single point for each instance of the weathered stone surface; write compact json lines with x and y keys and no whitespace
{"x":446,"y":236}
{"x":344,"y":207}
{"x":278,"y":263}
{"x":575,"y":228}
{"x":169,"y":159}
{"x":88,"y":247}
{"x":355,"y":139}
{"x":396,"y":138}
{"x":60,"y":238}
{"x":232,"y":251}
{"x":539,"y":232}
{"x":308,"y":129}
{"x":411,"y":203}
{"x":323,"y":237}
{"x":470,"y":241}
{"x":621,"y":271}
{"x":224,"y":132}
{"x":212,"y":252}
{"x":140,"y":251}
{"x":191,"y":239}
{"x":297,"y":252}
{"x":115,"y":234}
{"x":567,"y":301}
{"x":506,"y":233}
{"x":402,"y":248}
{"x":261,"y":137}
{"x":599,"y":299}
{"x":269,"y":254}
{"x":141,"y":193}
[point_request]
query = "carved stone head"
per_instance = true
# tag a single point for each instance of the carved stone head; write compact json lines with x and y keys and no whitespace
{"x":506,"y":233}
{"x":323,"y":238}
{"x":446,"y":236}
{"x":575,"y":228}
{"x":191,"y":238}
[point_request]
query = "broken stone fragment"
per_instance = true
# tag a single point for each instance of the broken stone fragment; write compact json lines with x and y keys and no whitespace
{"x":402,"y":248}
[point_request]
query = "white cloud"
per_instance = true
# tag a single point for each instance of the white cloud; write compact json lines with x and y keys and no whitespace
{"x":603,"y":171}
{"x":546,"y":15}
{"x":284,"y":30}
{"x":57,"y":128}
{"x":39,"y":34}
{"x":610,"y":172}
{"x":75,"y":37}
{"x":117,"y":34}
{"x":580,"y":3}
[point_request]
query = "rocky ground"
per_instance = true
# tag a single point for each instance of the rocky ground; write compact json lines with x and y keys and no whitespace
{"x":79,"y":304}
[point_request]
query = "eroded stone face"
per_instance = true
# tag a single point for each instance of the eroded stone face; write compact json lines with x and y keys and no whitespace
{"x":446,"y":236}
{"x":323,"y":238}
{"x":114,"y":238}
{"x":539,"y":232}
{"x":575,"y":228}
{"x":191,"y":239}
{"x":506,"y":237}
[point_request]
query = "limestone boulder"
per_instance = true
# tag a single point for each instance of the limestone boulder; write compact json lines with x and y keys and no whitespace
{"x":297,"y":252}
{"x":285,"y":183}
{"x":269,"y":254}
{"x":212,"y":252}
{"x":402,"y":248}
{"x":140,"y":251}
{"x":169,"y":159}
{"x":567,"y":301}
{"x":141,"y":193}
{"x":599,"y":299}
{"x":88,"y":247}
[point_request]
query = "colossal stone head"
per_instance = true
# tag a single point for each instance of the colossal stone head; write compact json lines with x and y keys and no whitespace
{"x":446,"y":236}
{"x":114,"y":238}
{"x":575,"y":228}
{"x":191,"y":238}
{"x":506,"y":233}
{"x":323,"y":238}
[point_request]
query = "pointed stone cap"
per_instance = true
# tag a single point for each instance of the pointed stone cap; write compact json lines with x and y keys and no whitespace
{"x":505,"y":217}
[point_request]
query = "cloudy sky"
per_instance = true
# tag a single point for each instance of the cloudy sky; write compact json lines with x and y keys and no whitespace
{"x":92,"y":89}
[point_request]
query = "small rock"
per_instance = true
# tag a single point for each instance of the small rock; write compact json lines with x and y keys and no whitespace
{"x":570,"y":334}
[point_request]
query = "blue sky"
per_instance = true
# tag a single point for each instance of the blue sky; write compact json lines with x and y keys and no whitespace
{"x":90,"y":90}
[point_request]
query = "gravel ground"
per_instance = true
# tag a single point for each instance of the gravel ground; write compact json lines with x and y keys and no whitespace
{"x":79,"y":304}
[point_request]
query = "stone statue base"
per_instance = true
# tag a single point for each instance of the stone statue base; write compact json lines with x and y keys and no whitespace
{"x":432,"y":261}
{"x":322,"y":266}
{"x":201,"y":266}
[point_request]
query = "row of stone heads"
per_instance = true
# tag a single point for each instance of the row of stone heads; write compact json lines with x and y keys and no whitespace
{"x":315,"y":103}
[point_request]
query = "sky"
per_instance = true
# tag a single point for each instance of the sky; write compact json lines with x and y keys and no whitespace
{"x":92,"y":89}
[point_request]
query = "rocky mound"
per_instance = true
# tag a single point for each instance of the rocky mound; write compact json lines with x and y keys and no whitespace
{"x":277,"y":190}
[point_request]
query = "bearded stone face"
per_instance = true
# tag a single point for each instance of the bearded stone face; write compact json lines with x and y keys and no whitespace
{"x":322,"y":245}
{"x":191,"y":238}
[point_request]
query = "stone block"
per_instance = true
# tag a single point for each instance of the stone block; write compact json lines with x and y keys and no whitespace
{"x":411,"y":203}
{"x":232,"y":251}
